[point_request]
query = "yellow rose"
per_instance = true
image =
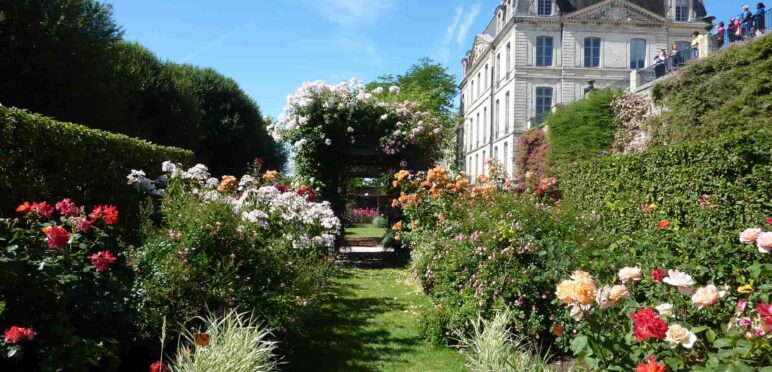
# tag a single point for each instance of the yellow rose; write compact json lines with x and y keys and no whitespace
{"x":745,"y":289}
{"x":618,"y":292}
{"x":565,"y":291}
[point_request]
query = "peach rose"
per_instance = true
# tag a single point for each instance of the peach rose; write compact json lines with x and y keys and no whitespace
{"x":630,"y":273}
{"x":585,"y":291}
{"x":565,"y":291}
{"x":679,"y":335}
{"x":680,"y":279}
{"x":707,"y":296}
{"x":618,"y":292}
{"x":603,"y":298}
{"x":764,"y":242}
{"x":581,"y":275}
{"x":749,"y":236}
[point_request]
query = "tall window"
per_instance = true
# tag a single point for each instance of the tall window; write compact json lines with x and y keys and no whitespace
{"x":506,"y":113}
{"x":544,"y":8}
{"x":474,"y":165}
{"x":682,"y":10}
{"x":505,"y":158}
{"x":496,"y":119}
{"x":485,"y":125}
{"x":543,"y":103}
{"x":509,"y":52}
{"x":592,"y":52}
{"x":498,"y":68}
{"x":495,"y":154}
{"x":637,"y":54}
{"x":482,"y":165}
{"x":470,"y":124}
{"x":472,"y":92}
{"x":543,"y":51}
{"x":478,"y":130}
{"x":486,"y":78}
{"x":478,"y":84}
{"x":469,"y":166}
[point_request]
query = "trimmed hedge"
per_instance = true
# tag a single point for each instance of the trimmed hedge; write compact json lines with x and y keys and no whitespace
{"x":734,"y":170}
{"x":582,"y":129}
{"x":43,"y":159}
{"x":724,"y":93}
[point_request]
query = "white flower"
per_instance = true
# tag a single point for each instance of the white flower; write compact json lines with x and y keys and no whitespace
{"x":168,"y":167}
{"x":138,"y":178}
{"x":707,"y":296}
{"x":679,"y":335}
{"x":350,"y":130}
{"x":679,"y":279}
{"x":665,"y":310}
{"x":764,"y":242}
{"x":378,"y":90}
{"x":630,"y":273}
{"x":749,"y":236}
{"x":394,"y":89}
{"x":328,"y":142}
{"x":257,"y":217}
{"x":384,"y":116}
{"x":212,"y":182}
{"x":199,"y":172}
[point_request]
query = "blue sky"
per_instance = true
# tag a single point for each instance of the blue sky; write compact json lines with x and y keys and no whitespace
{"x":271,"y":46}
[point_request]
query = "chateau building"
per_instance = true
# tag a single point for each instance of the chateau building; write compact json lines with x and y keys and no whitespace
{"x":536,"y":54}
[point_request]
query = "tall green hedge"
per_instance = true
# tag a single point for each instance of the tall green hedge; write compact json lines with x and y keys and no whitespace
{"x":734,"y":171}
{"x":582,"y":129}
{"x":42,"y":159}
{"x":726,"y":92}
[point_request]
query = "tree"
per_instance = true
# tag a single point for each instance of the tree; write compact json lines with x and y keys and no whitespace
{"x":426,"y":83}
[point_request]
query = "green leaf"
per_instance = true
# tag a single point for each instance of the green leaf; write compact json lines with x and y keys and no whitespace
{"x":578,"y":344}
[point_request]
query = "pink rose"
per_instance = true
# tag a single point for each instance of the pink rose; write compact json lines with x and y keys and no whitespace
{"x":764,"y":242}
{"x":749,"y":236}
{"x":707,"y":296}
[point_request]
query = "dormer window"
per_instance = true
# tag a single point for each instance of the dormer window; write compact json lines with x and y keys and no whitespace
{"x":682,"y":11}
{"x":544,"y":8}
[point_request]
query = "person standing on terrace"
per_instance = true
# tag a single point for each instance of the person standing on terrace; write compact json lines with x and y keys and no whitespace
{"x":720,"y":32}
{"x":759,"y":20}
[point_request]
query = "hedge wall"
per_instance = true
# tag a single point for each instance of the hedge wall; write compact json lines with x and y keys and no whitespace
{"x":42,"y":159}
{"x":734,"y":171}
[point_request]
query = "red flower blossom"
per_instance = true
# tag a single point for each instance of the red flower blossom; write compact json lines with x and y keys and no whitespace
{"x":281,"y":188}
{"x":57,"y":237}
{"x":44,"y":209}
{"x":102,"y":260}
{"x":25,"y":208}
{"x":768,"y":221}
{"x":67,"y":208}
{"x":646,"y":325}
{"x":83,"y":224}
{"x":538,"y":192}
{"x":657,"y":274}
{"x":309,"y":192}
{"x":108,"y":213}
{"x":705,"y":202}
{"x":664,"y":224}
{"x":651,"y":366}
{"x":765,"y":313}
{"x":259,"y":161}
{"x":158,"y":366}
{"x":15,"y":334}
{"x":311,"y":195}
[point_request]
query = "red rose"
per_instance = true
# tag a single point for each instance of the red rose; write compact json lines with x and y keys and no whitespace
{"x":108,"y":213}
{"x":259,"y":161}
{"x":15,"y":334}
{"x":44,"y":209}
{"x":651,"y":366}
{"x":67,"y":208}
{"x":658,"y":274}
{"x":281,"y":188}
{"x":158,"y":366}
{"x":765,"y":313}
{"x":311,"y":195}
{"x":102,"y":260}
{"x":83,"y":224}
{"x":538,"y":192}
{"x":646,"y":325}
{"x":57,"y":237}
{"x":768,"y":221}
{"x":664,"y":224}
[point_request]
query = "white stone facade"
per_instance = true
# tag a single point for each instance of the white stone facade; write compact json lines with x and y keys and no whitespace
{"x":534,"y":55}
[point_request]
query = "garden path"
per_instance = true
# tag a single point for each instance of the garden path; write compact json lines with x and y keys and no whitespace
{"x":370,"y":322}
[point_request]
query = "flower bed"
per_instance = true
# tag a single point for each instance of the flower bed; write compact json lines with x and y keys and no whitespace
{"x":671,"y":214}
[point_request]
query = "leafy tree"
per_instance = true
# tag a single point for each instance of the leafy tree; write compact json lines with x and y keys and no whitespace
{"x":427,"y":83}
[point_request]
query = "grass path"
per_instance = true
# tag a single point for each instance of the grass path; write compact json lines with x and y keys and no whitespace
{"x":365,"y":230}
{"x":370,"y":323}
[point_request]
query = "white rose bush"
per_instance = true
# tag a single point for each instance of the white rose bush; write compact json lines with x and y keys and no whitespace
{"x":257,"y":242}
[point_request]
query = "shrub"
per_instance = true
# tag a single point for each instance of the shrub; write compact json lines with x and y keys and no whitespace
{"x":45,"y":159}
{"x":380,"y":222}
{"x":727,"y":92}
{"x":582,"y":129}
{"x":531,"y":157}
{"x":362,"y":215}
{"x":223,"y":244}
{"x":232,"y":342}
{"x":491,"y":346}
{"x":64,"y":279}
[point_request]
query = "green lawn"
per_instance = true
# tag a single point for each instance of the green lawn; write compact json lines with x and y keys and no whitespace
{"x":365,"y":230}
{"x":370,"y":323}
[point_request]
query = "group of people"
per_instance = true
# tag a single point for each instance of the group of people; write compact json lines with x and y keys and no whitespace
{"x":675,"y":58}
{"x":747,"y":25}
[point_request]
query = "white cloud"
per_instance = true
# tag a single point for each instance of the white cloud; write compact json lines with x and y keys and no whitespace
{"x":467,"y":23}
{"x":454,"y":24}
